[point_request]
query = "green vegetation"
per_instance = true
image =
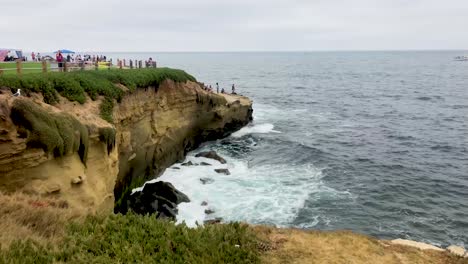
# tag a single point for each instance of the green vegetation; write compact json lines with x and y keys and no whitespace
{"x":74,"y":85}
{"x":59,"y":134}
{"x":107,"y":135}
{"x":140,"y":239}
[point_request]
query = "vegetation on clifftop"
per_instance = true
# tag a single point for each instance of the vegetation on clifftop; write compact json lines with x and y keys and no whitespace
{"x":139,"y":239}
{"x":74,"y":85}
{"x":56,"y":133}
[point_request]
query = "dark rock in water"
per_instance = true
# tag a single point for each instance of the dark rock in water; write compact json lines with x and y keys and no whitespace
{"x":187,"y":164}
{"x":223,"y":171}
{"x":205,"y":164}
{"x":175,"y":168}
{"x":211,"y":155}
{"x":209,"y":211}
{"x":206,"y":180}
{"x":204,"y":203}
{"x":158,"y":197}
{"x":217,"y":220}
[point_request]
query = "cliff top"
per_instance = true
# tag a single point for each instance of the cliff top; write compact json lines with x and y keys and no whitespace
{"x":111,"y":84}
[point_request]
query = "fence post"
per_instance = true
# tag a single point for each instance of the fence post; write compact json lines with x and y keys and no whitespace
{"x":120,"y":64}
{"x":65,"y":66}
{"x":44,"y":66}
{"x":108,"y":65}
{"x":131,"y":64}
{"x":19,"y":69}
{"x":96,"y":65}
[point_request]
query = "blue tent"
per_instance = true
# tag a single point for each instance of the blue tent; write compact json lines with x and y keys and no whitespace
{"x":64,"y":51}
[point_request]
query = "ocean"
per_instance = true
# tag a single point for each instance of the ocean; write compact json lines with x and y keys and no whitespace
{"x":373,"y":142}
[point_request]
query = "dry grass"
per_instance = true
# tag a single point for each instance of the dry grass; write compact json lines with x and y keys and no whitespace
{"x":40,"y":219}
{"x":298,"y":246}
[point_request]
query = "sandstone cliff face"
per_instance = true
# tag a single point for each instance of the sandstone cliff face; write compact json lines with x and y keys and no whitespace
{"x":153,"y":129}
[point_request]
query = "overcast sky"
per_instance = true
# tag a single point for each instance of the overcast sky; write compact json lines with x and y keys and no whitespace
{"x":237,"y":25}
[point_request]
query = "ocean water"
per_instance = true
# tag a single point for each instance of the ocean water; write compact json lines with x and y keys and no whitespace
{"x":373,"y":142}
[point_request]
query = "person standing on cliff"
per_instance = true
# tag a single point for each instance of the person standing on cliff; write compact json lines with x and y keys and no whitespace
{"x":59,"y":59}
{"x":217,"y":88}
{"x":233,"y":89}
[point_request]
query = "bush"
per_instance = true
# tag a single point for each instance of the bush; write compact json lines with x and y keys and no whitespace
{"x":107,"y":135}
{"x":141,"y":239}
{"x":74,"y":85}
{"x":59,"y":134}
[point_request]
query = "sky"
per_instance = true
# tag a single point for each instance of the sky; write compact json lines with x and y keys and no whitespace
{"x":240,"y":25}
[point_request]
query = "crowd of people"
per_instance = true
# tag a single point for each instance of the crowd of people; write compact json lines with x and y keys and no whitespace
{"x":210,"y":89}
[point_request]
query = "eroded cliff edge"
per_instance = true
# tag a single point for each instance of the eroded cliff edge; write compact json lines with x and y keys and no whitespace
{"x":151,"y":129}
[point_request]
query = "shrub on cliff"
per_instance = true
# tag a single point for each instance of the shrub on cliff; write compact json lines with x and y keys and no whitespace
{"x":74,"y":85}
{"x":141,"y":239}
{"x":107,"y":135}
{"x":59,"y":134}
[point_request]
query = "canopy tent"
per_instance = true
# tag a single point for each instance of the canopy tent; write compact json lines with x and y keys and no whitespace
{"x":65,"y":51}
{"x":15,"y":53}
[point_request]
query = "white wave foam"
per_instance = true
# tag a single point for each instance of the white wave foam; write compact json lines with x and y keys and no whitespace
{"x":255,"y":129}
{"x":271,"y":194}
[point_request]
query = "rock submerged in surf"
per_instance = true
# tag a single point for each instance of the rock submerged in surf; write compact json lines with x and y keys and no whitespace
{"x":205,"y":164}
{"x":209,"y":211}
{"x":158,"y":197}
{"x":206,"y":180}
{"x":189,"y":163}
{"x":223,"y":171}
{"x":211,"y":155}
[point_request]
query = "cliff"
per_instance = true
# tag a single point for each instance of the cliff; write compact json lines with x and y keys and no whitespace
{"x":67,"y":150}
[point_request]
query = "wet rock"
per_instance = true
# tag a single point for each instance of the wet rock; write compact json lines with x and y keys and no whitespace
{"x":209,"y":211}
{"x":217,"y":220}
{"x":158,"y":197}
{"x":205,"y":164}
{"x":211,"y":155}
{"x":204,"y":203}
{"x":175,"y":168}
{"x":223,"y":171}
{"x":78,"y":180}
{"x":206,"y":180}
{"x":187,"y":164}
{"x":456,"y":250}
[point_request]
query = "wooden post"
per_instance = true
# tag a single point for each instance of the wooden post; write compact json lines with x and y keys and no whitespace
{"x":82,"y":65}
{"x":19,"y":69}
{"x":140,"y":64}
{"x":65,"y":66}
{"x":108,"y":65}
{"x":44,"y":66}
{"x":131,"y":64}
{"x":96,"y":64}
{"x":120,"y":64}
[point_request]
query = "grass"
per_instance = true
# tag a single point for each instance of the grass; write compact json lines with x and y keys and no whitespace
{"x":59,"y":134}
{"x":32,"y":67}
{"x":75,"y":85}
{"x":35,"y":229}
{"x":115,"y":238}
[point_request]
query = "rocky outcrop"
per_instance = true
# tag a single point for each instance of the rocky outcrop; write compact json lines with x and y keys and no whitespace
{"x":158,"y":197}
{"x":100,"y":165}
{"x":211,"y":155}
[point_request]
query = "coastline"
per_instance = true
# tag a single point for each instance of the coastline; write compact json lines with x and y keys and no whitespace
{"x":172,"y":110}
